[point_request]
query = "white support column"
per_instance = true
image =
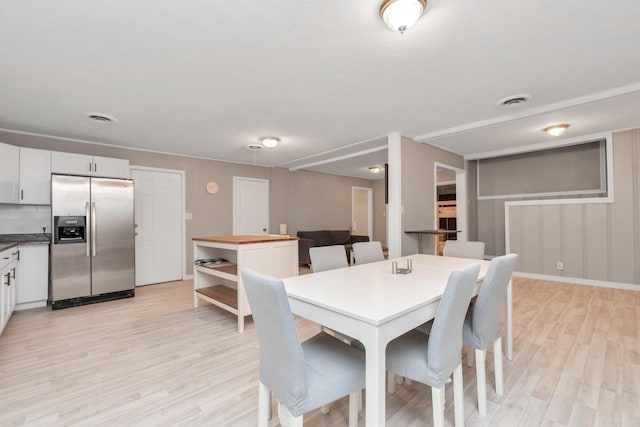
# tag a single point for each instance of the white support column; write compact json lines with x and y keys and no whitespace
{"x":394,"y":232}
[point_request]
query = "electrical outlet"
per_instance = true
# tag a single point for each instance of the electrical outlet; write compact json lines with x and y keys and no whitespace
{"x":560,"y":265}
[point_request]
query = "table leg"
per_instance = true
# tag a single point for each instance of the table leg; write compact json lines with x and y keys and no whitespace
{"x":509,"y":321}
{"x":375,"y":381}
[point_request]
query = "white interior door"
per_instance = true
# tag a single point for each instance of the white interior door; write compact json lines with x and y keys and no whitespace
{"x":158,"y":215}
{"x":250,"y":206}
{"x":362,"y":211}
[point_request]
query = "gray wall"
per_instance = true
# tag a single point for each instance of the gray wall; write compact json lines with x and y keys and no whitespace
{"x":513,"y":173}
{"x":302,"y":200}
{"x":595,"y":241}
{"x":418,"y":198}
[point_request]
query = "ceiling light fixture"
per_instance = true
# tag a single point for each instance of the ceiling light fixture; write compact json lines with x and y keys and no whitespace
{"x":269,"y":141}
{"x":375,"y":169}
{"x":556,"y":130}
{"x":401,"y":14}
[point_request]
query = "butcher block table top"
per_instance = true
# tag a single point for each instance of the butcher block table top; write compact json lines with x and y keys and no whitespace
{"x":244,"y":239}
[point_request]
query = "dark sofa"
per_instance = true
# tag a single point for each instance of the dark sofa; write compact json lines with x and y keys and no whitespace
{"x":309,"y":239}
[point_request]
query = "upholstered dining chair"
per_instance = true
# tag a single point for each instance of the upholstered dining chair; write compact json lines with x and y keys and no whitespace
{"x":432,"y":359}
{"x":302,"y":376}
{"x":482,"y":324}
{"x":464,"y":249}
{"x":366,"y":252}
{"x":325,"y":258}
{"x":328,"y":258}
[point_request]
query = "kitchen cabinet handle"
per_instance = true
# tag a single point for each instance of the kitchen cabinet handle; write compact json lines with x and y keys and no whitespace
{"x":8,"y":278}
{"x":95,"y":167}
{"x":21,"y":194}
{"x":87,"y":239}
{"x":93,"y":228}
{"x":6,"y":257}
{"x":13,"y":275}
{"x":90,"y":166}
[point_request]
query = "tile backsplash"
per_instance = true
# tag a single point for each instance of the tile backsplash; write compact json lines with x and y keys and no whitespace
{"x":17,"y":219}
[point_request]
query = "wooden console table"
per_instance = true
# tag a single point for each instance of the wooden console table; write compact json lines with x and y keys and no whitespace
{"x":221,"y":284}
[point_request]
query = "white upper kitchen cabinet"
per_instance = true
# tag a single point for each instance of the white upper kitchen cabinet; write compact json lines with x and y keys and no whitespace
{"x":9,"y":173}
{"x":111,"y":168}
{"x":35,"y":176}
{"x":80,"y":164}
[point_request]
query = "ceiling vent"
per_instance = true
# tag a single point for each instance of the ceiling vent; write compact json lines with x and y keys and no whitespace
{"x":101,"y":118}
{"x":514,"y":100}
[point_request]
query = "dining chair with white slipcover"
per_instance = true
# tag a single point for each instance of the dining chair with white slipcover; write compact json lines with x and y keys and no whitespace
{"x":464,"y":249}
{"x":432,"y":359}
{"x":482,"y":324}
{"x":302,"y":376}
{"x":366,"y":252}
{"x":325,"y":258}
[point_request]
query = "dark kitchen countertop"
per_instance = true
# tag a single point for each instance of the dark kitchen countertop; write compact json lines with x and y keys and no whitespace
{"x":25,"y":238}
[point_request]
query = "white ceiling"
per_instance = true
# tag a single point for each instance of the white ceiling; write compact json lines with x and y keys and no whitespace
{"x":207,"y":78}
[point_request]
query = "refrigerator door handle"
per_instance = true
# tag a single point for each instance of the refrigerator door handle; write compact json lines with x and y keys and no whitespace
{"x":93,"y":228}
{"x":87,"y":238}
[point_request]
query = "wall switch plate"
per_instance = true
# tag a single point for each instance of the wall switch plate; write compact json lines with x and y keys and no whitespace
{"x":188,"y":216}
{"x":560,"y":265}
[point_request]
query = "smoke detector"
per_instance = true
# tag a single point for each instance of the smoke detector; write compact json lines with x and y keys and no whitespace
{"x":101,"y":117}
{"x":514,"y":100}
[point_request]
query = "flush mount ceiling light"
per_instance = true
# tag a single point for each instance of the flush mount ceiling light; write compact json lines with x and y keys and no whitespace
{"x":269,"y":141}
{"x":374,"y":169}
{"x":556,"y":130}
{"x":401,"y":14}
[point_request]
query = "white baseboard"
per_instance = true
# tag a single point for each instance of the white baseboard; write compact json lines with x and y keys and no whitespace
{"x":187,"y":277}
{"x":28,"y":305}
{"x":578,"y":281}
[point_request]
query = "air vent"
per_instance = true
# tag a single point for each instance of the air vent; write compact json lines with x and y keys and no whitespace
{"x":100,"y":117}
{"x":514,"y":100}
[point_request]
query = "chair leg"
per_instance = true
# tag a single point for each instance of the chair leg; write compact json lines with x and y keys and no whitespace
{"x":264,"y":405}
{"x":481,"y":380}
{"x":497,"y":358}
{"x":354,"y":398}
{"x":324,"y":409}
{"x":437,"y":400}
{"x":287,"y":419}
{"x":470,"y":356}
{"x":458,"y":396}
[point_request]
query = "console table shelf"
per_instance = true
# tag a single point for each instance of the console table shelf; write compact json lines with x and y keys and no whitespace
{"x":222,"y":285}
{"x":220,"y":295}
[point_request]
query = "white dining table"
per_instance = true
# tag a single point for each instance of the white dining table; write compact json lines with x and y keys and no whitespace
{"x":369,"y":303}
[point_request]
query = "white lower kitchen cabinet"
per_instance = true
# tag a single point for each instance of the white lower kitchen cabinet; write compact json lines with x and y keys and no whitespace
{"x":33,"y":275}
{"x":8,"y":273}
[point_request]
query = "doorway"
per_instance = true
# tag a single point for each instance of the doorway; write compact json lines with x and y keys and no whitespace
{"x":450,"y":204}
{"x":250,"y":206}
{"x":159,"y":204}
{"x":362,"y":211}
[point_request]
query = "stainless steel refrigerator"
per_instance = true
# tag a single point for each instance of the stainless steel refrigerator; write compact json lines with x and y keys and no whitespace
{"x":92,"y":255}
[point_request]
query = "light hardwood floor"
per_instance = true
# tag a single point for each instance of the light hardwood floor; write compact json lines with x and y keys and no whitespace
{"x":155,"y":360}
